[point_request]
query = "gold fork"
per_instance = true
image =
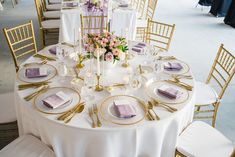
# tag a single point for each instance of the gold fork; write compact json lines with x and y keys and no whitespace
{"x":91,"y":116}
{"x":32,"y":95}
{"x":95,"y":109}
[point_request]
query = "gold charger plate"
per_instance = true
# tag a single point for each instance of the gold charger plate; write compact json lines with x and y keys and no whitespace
{"x":73,"y":94}
{"x":52,"y":72}
{"x":151,"y":90}
{"x":108,"y":113}
{"x":184,"y":70}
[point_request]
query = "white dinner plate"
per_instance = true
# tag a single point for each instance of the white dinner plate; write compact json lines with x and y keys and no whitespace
{"x":184,"y":70}
{"x":151,"y":89}
{"x":108,"y":113}
{"x":73,"y":94}
{"x":51,"y":71}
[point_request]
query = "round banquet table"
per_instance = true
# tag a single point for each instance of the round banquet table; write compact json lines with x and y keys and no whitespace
{"x":78,"y":138}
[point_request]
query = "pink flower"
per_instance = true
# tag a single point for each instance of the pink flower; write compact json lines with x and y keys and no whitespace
{"x":109,"y":57}
{"x":116,"y":52}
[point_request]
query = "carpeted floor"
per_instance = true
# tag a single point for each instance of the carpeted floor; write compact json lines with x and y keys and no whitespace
{"x":196,"y":40}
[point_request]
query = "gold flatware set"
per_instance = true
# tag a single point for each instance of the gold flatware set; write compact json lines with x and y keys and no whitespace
{"x":181,"y":84}
{"x":68,"y":115}
{"x":167,"y":107}
{"x":93,"y":113}
{"x":41,"y":56}
{"x":40,"y":63}
{"x":151,"y":114}
{"x":34,"y":94}
{"x":32,"y":85}
{"x":166,"y":58}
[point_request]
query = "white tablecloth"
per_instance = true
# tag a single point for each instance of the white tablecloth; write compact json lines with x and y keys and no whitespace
{"x":121,"y":19}
{"x":77,"y":138}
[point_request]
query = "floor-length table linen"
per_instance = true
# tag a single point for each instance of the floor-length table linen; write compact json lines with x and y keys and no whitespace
{"x":77,"y":138}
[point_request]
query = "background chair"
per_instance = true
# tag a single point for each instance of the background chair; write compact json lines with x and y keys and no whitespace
{"x":222,"y":72}
{"x":47,"y":27}
{"x":47,"y":15}
{"x":26,"y":146}
{"x":159,"y":34}
{"x":201,"y":140}
{"x":142,"y":21}
{"x":93,"y":24}
{"x":21,"y":40}
{"x":8,"y":124}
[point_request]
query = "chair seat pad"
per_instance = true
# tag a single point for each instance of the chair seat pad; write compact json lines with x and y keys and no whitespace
{"x":53,"y":6}
{"x":49,"y":24}
{"x":7,"y":108}
{"x":51,"y":14}
{"x":55,"y":1}
{"x":201,"y":140}
{"x":26,"y":146}
{"x":141,"y":23}
{"x":205,"y":94}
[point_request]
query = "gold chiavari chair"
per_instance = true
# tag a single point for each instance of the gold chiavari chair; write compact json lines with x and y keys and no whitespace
{"x":93,"y":24}
{"x":21,"y":40}
{"x":46,"y":26}
{"x":207,"y":98}
{"x":201,"y":140}
{"x":47,"y":15}
{"x":135,"y":4}
{"x":50,"y":6}
{"x":159,"y":34}
{"x":142,"y":22}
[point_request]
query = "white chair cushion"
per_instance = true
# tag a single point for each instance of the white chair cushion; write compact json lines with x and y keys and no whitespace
{"x":54,"y":1}
{"x":51,"y":14}
{"x":48,"y":24}
{"x":7,"y":108}
{"x":205,"y":94}
{"x":201,"y":140}
{"x":26,"y":146}
{"x":141,"y":23}
{"x":53,"y":6}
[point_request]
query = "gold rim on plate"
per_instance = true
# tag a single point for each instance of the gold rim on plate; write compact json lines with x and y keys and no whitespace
{"x":165,"y":102}
{"x":177,"y":72}
{"x":34,"y":101}
{"x":38,"y":81}
{"x":140,"y":102}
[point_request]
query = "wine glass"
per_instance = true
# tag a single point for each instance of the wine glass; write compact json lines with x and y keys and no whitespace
{"x":135,"y":81}
{"x":89,"y":82}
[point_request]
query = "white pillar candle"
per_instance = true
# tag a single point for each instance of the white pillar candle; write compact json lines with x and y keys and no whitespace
{"x":80,"y":40}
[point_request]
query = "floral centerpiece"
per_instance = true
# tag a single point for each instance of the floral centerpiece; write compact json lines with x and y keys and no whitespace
{"x":96,"y":5}
{"x":114,"y":47}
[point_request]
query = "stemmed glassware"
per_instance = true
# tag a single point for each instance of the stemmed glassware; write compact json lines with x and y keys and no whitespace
{"x":61,"y":54}
{"x":89,"y":82}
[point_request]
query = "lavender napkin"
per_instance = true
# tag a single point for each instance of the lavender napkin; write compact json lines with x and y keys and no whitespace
{"x":71,"y":4}
{"x":173,"y":66}
{"x":52,"y":50}
{"x":35,"y":72}
{"x":123,"y":109}
{"x":56,"y":100}
{"x":169,"y":92}
{"x":141,"y":44}
{"x":123,"y":5}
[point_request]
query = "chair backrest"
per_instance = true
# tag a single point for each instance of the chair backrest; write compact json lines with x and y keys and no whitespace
{"x":93,"y":24}
{"x":152,"y":4}
{"x":21,"y":40}
{"x":135,"y":4}
{"x":141,"y":8}
{"x":39,"y":8}
{"x":222,"y":70}
{"x":159,"y":34}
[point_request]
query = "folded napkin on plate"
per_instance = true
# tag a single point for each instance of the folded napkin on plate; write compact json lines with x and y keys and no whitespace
{"x":124,"y":109}
{"x":169,"y":92}
{"x":56,"y":100}
{"x":71,"y":4}
{"x":139,"y":48}
{"x":36,"y":72}
{"x":123,"y":5}
{"x":172,"y":66}
{"x":52,"y":50}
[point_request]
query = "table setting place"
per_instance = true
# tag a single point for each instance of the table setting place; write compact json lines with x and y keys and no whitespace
{"x":104,"y":81}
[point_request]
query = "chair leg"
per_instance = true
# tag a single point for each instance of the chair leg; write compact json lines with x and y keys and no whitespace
{"x":198,"y":108}
{"x":42,"y":37}
{"x":215,"y":114}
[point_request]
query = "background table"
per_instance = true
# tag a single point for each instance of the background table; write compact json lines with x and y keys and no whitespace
{"x":77,"y":138}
